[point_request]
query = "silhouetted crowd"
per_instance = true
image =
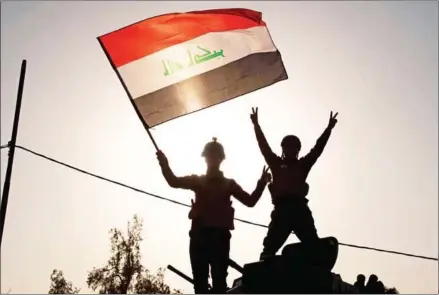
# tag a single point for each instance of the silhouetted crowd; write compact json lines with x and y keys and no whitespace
{"x":373,"y":286}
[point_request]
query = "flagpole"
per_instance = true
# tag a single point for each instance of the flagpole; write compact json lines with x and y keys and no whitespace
{"x":129,"y":95}
{"x":7,"y":183}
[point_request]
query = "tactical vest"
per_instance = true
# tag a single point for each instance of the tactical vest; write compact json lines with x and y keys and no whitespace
{"x":213,"y":205}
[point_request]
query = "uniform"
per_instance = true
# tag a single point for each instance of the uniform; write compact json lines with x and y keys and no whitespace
{"x":289,"y":190}
{"x":212,"y":217}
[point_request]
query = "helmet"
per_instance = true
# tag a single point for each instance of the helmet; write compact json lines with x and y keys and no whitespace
{"x":214,"y":148}
{"x":290,"y":138}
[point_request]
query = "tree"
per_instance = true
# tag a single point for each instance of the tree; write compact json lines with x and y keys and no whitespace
{"x":153,"y":284}
{"x":59,"y":285}
{"x":124,"y":272}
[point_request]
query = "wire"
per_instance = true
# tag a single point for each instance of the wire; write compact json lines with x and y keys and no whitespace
{"x":185,"y":205}
{"x":4,"y":146}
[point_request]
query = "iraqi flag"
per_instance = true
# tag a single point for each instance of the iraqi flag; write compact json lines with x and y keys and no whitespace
{"x":175,"y":64}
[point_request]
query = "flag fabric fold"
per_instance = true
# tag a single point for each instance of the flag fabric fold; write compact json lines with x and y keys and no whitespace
{"x":180,"y":63}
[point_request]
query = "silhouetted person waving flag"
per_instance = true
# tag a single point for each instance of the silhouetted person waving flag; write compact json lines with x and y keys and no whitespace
{"x":289,"y":188}
{"x":212,"y":215}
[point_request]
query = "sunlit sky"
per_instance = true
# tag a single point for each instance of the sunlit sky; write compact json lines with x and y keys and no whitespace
{"x":376,"y":63}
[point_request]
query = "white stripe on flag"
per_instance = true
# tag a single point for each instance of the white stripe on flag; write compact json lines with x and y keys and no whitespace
{"x":192,"y":58}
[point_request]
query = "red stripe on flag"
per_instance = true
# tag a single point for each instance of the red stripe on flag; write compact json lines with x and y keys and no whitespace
{"x":148,"y":36}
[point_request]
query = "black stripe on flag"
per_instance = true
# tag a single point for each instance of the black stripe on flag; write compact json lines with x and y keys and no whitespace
{"x":237,"y":78}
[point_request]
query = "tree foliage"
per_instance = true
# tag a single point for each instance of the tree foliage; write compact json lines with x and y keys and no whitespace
{"x":124,"y":272}
{"x":149,"y":283}
{"x":59,"y":285}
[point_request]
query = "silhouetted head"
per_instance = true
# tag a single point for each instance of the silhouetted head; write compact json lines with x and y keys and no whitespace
{"x":373,"y":278}
{"x":290,"y":146}
{"x":213,"y":153}
{"x":361,"y":279}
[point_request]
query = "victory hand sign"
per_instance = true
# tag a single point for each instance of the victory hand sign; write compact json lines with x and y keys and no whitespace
{"x":332,"y":120}
{"x":254,"y":115}
{"x":266,"y":176}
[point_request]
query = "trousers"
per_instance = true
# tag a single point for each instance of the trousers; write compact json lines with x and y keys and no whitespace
{"x":290,"y":215}
{"x":209,"y":247}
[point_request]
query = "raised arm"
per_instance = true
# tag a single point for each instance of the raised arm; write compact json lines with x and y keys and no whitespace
{"x":310,"y":159}
{"x":186,"y":182}
{"x":247,"y":199}
{"x":266,"y":151}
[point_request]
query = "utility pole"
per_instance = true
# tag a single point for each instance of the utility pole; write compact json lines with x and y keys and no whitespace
{"x":11,"y":145}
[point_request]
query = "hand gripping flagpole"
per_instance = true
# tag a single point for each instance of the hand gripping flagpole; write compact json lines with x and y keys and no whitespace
{"x":11,"y":145}
{"x":129,"y":95}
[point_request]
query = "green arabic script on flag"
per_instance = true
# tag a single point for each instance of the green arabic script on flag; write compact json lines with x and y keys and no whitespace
{"x":172,"y":66}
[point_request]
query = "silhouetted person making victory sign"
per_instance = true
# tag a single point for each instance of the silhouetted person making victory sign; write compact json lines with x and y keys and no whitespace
{"x":289,"y":189}
{"x":212,"y":215}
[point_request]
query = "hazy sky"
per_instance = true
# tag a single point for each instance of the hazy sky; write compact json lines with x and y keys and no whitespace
{"x":376,"y":63}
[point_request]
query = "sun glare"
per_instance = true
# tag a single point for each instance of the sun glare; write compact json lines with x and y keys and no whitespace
{"x":190,"y":134}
